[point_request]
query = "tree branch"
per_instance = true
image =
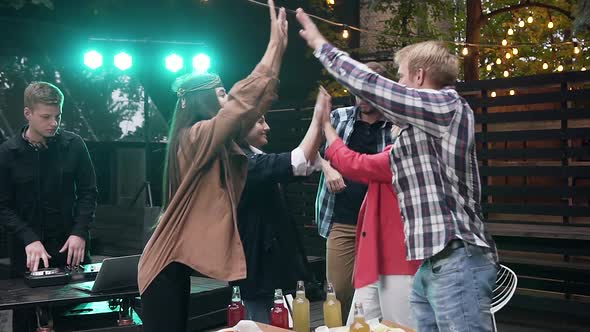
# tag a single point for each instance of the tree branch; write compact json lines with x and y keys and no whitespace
{"x":528,"y":4}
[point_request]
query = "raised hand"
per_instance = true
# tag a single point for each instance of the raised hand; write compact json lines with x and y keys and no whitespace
{"x":323,"y":106}
{"x":309,"y":30}
{"x":279,"y":26}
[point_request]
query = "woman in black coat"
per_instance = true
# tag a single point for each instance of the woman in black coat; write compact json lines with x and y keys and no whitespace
{"x":275,"y":257}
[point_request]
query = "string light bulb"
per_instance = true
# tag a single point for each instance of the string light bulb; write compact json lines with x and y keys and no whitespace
{"x":521,"y":23}
{"x":511,"y":92}
{"x":331,"y":2}
{"x":345,"y":34}
{"x":576,"y":48}
{"x":545,"y":65}
{"x":493,"y":94}
{"x":489,"y":67}
{"x":506,"y":73}
{"x":498,"y":61}
{"x":510,"y":32}
{"x":550,"y":25}
{"x":560,"y":68}
{"x":465,"y":50}
{"x":508,"y":55}
{"x":530,"y":19}
{"x":504,"y":42}
{"x":583,"y":69}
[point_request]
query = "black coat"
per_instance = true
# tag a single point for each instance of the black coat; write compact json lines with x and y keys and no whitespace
{"x":275,"y":257}
{"x":3,"y":137}
{"x":46,"y":194}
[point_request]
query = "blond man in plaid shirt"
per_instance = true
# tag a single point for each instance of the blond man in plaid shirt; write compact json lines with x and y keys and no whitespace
{"x":436,"y":176}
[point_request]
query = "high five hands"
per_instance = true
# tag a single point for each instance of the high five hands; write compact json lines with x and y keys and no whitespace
{"x":278,"y":25}
{"x":309,"y":31}
{"x":323,"y":106}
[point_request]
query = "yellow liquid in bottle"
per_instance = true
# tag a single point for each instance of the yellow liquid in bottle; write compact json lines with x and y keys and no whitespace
{"x":359,"y":325}
{"x":300,"y":313}
{"x":332,"y":312}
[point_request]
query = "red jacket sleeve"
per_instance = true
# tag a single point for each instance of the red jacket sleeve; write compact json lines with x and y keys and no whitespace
{"x":358,"y":167}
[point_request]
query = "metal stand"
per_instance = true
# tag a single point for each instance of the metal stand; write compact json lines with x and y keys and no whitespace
{"x":148,"y":189}
{"x":147,"y":139}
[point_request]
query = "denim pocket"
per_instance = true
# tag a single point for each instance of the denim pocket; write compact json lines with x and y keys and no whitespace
{"x":452,"y":263}
{"x":484,"y":281}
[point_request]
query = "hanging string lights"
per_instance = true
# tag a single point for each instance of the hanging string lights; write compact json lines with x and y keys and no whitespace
{"x":510,"y":48}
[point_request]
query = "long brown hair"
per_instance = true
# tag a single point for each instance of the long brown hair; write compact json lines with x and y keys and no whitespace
{"x":197,"y":101}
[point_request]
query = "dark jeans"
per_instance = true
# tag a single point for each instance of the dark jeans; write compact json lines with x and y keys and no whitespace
{"x":259,"y":309}
{"x":165,"y":302}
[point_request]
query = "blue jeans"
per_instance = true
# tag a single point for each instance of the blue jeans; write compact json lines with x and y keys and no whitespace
{"x":453,"y":290}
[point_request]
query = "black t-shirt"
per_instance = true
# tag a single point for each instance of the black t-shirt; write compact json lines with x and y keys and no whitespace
{"x":365,"y":138}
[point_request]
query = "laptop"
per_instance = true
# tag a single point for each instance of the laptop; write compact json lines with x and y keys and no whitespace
{"x":114,"y":273}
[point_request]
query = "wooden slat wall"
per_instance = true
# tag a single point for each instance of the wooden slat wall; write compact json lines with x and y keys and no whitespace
{"x":535,"y":169}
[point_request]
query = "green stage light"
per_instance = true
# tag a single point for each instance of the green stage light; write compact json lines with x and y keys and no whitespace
{"x":92,"y":59}
{"x":201,"y":63}
{"x":174,"y":62}
{"x":123,"y":61}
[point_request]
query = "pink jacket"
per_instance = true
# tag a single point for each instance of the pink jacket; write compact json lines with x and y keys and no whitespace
{"x":380,"y":243}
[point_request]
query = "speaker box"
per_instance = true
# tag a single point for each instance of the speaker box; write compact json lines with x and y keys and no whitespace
{"x":122,"y":230}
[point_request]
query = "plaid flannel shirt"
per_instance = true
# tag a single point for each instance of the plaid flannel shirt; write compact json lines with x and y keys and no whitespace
{"x":434,"y":162}
{"x":342,"y":120}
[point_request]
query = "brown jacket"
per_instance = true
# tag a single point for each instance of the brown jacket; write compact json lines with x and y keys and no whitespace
{"x":199,"y":226}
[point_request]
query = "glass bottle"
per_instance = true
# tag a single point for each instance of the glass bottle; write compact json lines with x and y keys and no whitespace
{"x":300,"y":309}
{"x":359,"y":324}
{"x":236,"y":311}
{"x":279,"y":316}
{"x":332,"y":308}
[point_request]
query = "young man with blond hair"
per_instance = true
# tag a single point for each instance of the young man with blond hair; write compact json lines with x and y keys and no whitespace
{"x":435,"y":175}
{"x":47,"y":187}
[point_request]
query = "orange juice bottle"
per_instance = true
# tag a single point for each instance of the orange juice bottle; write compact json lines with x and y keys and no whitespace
{"x":332,"y":308}
{"x":359,"y":324}
{"x":300,"y":309}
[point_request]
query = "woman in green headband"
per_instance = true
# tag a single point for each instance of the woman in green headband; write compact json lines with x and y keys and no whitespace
{"x":204,"y":177}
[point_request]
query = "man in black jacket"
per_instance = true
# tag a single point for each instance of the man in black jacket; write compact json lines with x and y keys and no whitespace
{"x":47,"y":187}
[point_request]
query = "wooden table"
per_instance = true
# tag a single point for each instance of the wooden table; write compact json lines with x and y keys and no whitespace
{"x":269,"y":328}
{"x":211,"y":296}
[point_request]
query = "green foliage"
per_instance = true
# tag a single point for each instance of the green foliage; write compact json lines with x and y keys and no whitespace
{"x":539,"y":43}
{"x":413,"y":21}
{"x":334,"y":35}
